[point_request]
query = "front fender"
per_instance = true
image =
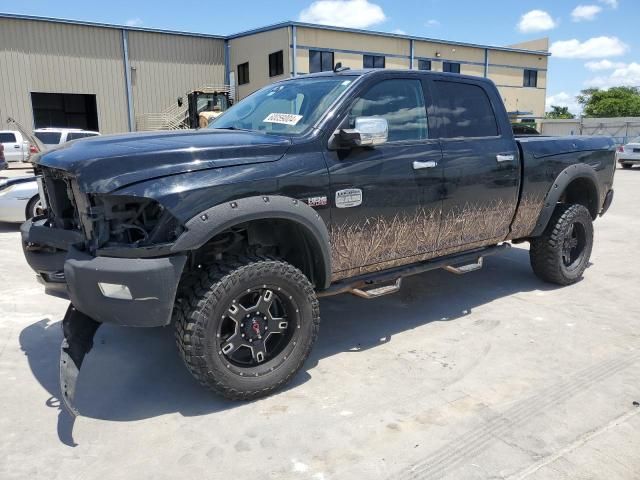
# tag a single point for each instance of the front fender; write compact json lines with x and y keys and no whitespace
{"x":559,"y":186}
{"x":207,"y":224}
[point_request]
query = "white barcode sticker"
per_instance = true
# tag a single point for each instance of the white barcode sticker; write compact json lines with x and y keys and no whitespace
{"x":283,"y":118}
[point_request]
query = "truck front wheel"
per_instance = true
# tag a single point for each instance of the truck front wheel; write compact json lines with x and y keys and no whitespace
{"x":245,"y":328}
{"x":561,"y":254}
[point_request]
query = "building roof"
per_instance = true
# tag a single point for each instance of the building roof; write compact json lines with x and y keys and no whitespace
{"x":381,"y":34}
{"x":274,"y":26}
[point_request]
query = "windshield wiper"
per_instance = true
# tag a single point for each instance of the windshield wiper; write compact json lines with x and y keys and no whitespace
{"x":234,"y":128}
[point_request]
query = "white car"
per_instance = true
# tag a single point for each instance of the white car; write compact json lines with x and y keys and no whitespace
{"x":19,"y":199}
{"x":52,"y":137}
{"x":16,"y":147}
{"x":629,"y":154}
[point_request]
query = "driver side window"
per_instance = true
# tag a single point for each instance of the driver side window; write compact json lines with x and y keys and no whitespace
{"x":400,"y":102}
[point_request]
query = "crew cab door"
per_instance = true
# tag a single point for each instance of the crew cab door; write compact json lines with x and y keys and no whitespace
{"x":385,"y":205}
{"x":481,"y":167}
{"x":13,"y":146}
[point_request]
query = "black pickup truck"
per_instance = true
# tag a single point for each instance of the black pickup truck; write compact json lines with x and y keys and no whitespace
{"x":336,"y":182}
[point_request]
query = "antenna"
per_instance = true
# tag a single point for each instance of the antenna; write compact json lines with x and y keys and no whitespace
{"x":339,"y":68}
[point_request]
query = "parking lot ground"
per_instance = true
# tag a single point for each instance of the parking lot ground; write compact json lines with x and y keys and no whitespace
{"x":490,"y":375}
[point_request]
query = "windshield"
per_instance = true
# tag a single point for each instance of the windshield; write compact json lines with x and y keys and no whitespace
{"x":289,"y":107}
{"x":48,"y":138}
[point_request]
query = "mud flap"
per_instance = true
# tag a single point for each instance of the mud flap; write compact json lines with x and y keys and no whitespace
{"x":79,"y":331}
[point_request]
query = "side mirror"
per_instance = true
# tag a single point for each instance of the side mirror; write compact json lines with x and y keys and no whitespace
{"x":368,"y":132}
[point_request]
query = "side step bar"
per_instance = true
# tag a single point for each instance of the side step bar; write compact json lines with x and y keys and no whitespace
{"x":378,"y":292}
{"x":469,"y":267}
{"x":369,"y":285}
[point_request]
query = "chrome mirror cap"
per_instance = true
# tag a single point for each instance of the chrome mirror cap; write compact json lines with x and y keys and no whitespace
{"x":373,"y":130}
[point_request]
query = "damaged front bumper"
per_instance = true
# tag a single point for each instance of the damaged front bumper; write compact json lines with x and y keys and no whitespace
{"x":136,"y":292}
{"x":79,"y":331}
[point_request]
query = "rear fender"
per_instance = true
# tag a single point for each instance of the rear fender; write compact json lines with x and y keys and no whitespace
{"x":559,"y":187}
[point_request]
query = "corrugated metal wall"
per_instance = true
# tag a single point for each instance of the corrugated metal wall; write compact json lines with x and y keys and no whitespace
{"x":58,"y":58}
{"x":51,"y":57}
{"x":165,"y":67}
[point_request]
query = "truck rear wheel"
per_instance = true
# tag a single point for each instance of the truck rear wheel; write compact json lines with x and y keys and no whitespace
{"x":561,"y":254}
{"x":244,"y":329}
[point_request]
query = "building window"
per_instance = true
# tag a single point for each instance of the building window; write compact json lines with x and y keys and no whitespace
{"x":276,"y":64}
{"x":451,"y":67}
{"x":530,"y":78}
{"x":372,"y":61}
{"x":320,"y":61}
{"x":243,"y":73}
{"x":424,"y":64}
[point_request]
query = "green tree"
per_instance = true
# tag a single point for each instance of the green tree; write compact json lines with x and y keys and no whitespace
{"x":615,"y":102}
{"x":559,"y":112}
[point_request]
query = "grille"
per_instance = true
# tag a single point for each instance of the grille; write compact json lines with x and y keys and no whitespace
{"x":60,"y":199}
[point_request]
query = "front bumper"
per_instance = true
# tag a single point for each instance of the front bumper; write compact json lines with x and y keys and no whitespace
{"x":67,"y":272}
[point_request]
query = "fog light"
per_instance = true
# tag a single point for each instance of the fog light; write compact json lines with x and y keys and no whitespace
{"x":115,"y":290}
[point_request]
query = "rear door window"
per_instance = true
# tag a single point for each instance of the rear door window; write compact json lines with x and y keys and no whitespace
{"x":48,"y":138}
{"x":463,"y":110}
{"x":7,"y":137}
{"x":77,"y":135}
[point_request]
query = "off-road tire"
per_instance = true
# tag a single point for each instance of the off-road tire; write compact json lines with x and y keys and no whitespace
{"x":626,"y":166}
{"x":546,"y":252}
{"x":203,"y":299}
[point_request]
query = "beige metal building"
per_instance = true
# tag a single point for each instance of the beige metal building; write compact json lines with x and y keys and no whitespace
{"x":98,"y":77}
{"x":67,"y":73}
{"x":520,"y":70}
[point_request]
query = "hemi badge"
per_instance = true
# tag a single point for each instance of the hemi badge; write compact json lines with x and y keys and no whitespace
{"x":317,"y":201}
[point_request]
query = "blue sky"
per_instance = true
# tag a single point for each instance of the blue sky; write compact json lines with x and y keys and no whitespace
{"x":594,"y":42}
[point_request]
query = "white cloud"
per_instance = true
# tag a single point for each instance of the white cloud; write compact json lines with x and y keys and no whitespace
{"x":432,"y":23}
{"x":597,"y":47}
{"x":399,"y":31}
{"x":536,"y":21}
{"x":134,"y":22}
{"x":627,"y":75}
{"x":596,"y":66}
{"x":610,"y":3}
{"x":343,"y":13}
{"x":585,"y":13}
{"x":563,"y":99}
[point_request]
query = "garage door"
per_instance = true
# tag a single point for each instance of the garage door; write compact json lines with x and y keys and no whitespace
{"x":65,"y":110}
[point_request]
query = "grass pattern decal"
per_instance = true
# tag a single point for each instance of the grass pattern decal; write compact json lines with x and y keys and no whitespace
{"x":527,"y":215}
{"x":379,"y":243}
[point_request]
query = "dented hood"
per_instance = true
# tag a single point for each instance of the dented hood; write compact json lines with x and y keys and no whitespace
{"x":103,"y":164}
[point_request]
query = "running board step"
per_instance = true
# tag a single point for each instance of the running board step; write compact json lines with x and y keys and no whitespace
{"x":379,"y":291}
{"x":469,"y":267}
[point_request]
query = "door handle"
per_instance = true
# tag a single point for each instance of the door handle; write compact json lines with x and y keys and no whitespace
{"x":505,"y":158}
{"x":420,"y":165}
{"x":16,"y":146}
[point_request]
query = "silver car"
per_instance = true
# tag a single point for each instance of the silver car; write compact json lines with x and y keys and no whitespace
{"x":19,"y":199}
{"x":629,"y":154}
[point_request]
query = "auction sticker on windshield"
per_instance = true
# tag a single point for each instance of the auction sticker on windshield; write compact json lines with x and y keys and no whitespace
{"x":283,"y":118}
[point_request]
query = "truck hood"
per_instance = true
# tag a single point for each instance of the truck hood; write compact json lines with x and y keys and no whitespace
{"x":106,"y":163}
